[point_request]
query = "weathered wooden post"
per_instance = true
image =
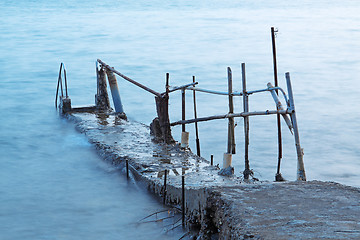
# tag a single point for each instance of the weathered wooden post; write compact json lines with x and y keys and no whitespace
{"x":247,"y":171}
{"x":184,"y":134}
{"x":101,"y":98}
{"x":300,"y":162}
{"x":196,"y":124}
{"x":165,"y":182}
{"x":162,"y":109}
{"x":278,"y":176}
{"x":183,"y":108}
{"x":227,"y":158}
{"x":114,"y":91}
{"x":231,"y":126}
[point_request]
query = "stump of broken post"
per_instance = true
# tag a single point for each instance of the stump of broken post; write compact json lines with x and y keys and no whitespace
{"x":102,"y":101}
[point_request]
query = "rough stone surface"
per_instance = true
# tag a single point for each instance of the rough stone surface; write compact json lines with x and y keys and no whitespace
{"x":225,"y":207}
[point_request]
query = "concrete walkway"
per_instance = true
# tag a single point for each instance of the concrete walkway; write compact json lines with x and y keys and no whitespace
{"x":225,"y":207}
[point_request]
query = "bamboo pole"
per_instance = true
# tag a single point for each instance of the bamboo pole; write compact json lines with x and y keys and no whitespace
{"x":247,"y":170}
{"x":243,"y":114}
{"x":165,"y":182}
{"x":280,"y":107}
{"x":301,"y":176}
{"x":278,"y":176}
{"x":231,"y":135}
{"x":214,"y":92}
{"x":183,"y":199}
{"x":196,"y":125}
{"x":129,"y":79}
{"x":167,"y":86}
{"x":183,"y":108}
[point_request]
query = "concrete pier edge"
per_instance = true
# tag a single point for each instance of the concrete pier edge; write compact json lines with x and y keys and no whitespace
{"x":226,"y":207}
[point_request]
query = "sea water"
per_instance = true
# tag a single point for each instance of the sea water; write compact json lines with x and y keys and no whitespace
{"x":53,"y":185}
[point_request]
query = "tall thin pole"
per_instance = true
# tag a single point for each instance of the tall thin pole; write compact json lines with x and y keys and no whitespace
{"x":231,"y":135}
{"x":183,"y":199}
{"x":301,"y":176}
{"x":183,"y":107}
{"x":165,"y":179}
{"x":196,"y":125}
{"x":247,"y":170}
{"x":278,"y":176}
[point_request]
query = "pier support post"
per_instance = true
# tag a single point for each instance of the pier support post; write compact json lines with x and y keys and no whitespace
{"x":247,"y":171}
{"x":101,"y":98}
{"x":300,"y":162}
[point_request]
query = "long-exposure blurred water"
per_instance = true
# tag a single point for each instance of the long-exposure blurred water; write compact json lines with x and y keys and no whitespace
{"x":53,"y":185}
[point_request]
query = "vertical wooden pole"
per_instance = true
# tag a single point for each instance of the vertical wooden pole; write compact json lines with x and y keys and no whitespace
{"x":183,"y":108}
{"x":278,"y":176}
{"x":165,"y":179}
{"x":231,"y":135}
{"x":183,"y":199}
{"x":196,"y":124}
{"x":301,"y":176}
{"x":247,"y":170}
{"x":167,"y":83}
{"x":212,"y":160}
{"x":127,"y":168}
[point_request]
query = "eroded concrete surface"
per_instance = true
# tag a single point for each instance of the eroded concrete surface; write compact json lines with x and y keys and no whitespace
{"x":225,"y":207}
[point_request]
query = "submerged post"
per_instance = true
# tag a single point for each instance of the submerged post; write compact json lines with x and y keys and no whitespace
{"x":196,"y":125}
{"x":114,"y":91}
{"x":300,"y":162}
{"x":247,"y":170}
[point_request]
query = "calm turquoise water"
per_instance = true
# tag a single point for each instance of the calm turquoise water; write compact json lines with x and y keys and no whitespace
{"x":53,"y":185}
